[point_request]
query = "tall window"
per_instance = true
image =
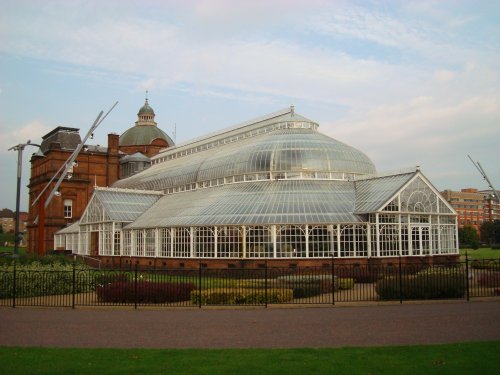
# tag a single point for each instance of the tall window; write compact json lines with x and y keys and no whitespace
{"x":68,"y":208}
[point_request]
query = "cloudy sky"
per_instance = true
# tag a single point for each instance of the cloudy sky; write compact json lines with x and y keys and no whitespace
{"x":408,"y":83}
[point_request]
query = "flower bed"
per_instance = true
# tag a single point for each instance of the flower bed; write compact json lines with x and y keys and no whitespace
{"x":146,"y":292}
{"x":231,"y":296}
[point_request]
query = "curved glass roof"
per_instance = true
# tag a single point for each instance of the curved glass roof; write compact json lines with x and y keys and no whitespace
{"x":294,"y":149}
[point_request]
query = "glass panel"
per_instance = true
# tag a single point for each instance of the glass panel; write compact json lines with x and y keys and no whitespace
{"x":259,"y":242}
{"x":290,"y":241}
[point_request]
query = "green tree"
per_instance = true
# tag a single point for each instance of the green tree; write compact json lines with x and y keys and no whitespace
{"x":490,"y":232}
{"x":468,"y":236}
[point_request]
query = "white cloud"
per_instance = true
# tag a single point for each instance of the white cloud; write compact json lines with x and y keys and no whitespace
{"x":444,"y":75}
{"x":419,"y":78}
{"x":33,"y":130}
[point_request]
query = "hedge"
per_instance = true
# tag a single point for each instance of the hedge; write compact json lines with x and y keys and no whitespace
{"x":232,"y":296}
{"x":38,"y":279}
{"x":304,"y":286}
{"x":346,"y":283}
{"x":147,"y":292}
{"x":489,"y":280}
{"x":423,"y":285}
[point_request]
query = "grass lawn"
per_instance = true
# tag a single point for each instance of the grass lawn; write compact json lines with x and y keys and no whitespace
{"x":464,"y":358}
{"x":10,"y":249}
{"x":481,"y":253}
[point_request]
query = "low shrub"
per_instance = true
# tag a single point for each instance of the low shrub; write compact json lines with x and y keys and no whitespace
{"x":36,"y":279}
{"x":361,"y":274}
{"x":308,"y":285}
{"x":485,"y":264}
{"x":346,"y":283}
{"x":423,"y":285}
{"x":106,"y":277}
{"x":489,"y":279}
{"x":306,"y":291}
{"x":147,"y":292}
{"x":233,"y":296}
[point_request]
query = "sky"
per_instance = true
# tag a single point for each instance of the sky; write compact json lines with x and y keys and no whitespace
{"x":407,"y":82}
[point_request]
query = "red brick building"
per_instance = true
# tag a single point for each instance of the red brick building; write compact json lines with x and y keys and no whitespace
{"x":491,"y":205}
{"x":473,"y":207}
{"x":95,"y":166}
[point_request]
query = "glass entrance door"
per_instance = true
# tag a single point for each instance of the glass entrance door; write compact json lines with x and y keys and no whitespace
{"x":420,"y":240}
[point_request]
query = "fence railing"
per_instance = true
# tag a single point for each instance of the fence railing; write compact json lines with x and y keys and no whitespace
{"x":333,"y":283}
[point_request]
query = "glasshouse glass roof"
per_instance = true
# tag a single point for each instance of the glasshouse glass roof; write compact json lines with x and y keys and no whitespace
{"x":118,"y":205}
{"x":265,"y":202}
{"x":371,"y":194}
{"x":288,"y":143}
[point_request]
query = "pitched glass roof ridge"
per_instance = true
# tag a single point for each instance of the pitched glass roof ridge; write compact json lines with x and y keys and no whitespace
{"x":127,"y":191}
{"x":125,"y":205}
{"x":259,"y":121}
{"x":373,"y":193}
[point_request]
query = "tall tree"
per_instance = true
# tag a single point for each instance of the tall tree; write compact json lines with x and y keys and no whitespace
{"x":468,"y":236}
{"x":490,"y":232}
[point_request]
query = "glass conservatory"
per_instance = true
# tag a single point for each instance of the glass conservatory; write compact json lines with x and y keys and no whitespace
{"x":271,"y":188}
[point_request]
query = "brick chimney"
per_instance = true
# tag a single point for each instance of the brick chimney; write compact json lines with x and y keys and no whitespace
{"x":113,"y":139}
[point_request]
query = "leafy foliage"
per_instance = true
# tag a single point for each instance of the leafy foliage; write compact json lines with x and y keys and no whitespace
{"x":37,"y":279}
{"x":468,"y":236}
{"x":428,"y":284}
{"x":146,"y":292}
{"x":233,"y":296}
{"x":490,"y":232}
{"x":304,"y":286}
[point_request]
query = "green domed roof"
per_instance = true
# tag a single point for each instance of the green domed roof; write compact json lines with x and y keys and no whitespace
{"x":143,"y":135}
{"x":145,"y":130}
{"x":146,"y":110}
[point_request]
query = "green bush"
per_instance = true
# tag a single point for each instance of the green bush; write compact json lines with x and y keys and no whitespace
{"x":38,"y":279}
{"x":429,"y":284}
{"x":308,"y":285}
{"x":485,"y":264}
{"x":346,"y":283}
{"x":233,"y":296}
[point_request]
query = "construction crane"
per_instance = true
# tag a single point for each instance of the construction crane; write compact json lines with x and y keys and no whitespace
{"x":485,"y":176}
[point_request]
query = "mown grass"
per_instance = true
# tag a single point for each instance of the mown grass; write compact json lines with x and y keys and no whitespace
{"x":463,"y":358}
{"x":10,"y":249}
{"x":481,"y":253}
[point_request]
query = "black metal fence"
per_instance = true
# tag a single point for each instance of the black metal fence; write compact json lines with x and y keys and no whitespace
{"x":333,"y":283}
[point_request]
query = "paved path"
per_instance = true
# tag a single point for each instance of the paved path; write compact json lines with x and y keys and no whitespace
{"x":252,"y":328}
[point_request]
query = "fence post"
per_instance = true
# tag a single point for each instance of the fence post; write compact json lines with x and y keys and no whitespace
{"x":135,"y":287}
{"x":400,"y":281}
{"x":333,"y":280}
{"x":14,"y":287}
{"x":467,"y":275}
{"x":199,"y":284}
{"x":74,"y":285}
{"x":265,"y":284}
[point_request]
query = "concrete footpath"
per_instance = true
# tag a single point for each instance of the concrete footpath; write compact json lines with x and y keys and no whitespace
{"x":283,"y":327}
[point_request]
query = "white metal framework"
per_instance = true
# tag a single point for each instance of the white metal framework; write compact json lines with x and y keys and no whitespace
{"x":270,"y":189}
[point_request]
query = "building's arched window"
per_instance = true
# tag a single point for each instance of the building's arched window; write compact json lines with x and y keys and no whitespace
{"x":259,"y":242}
{"x":68,"y":208}
{"x":320,"y":242}
{"x":290,"y":241}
